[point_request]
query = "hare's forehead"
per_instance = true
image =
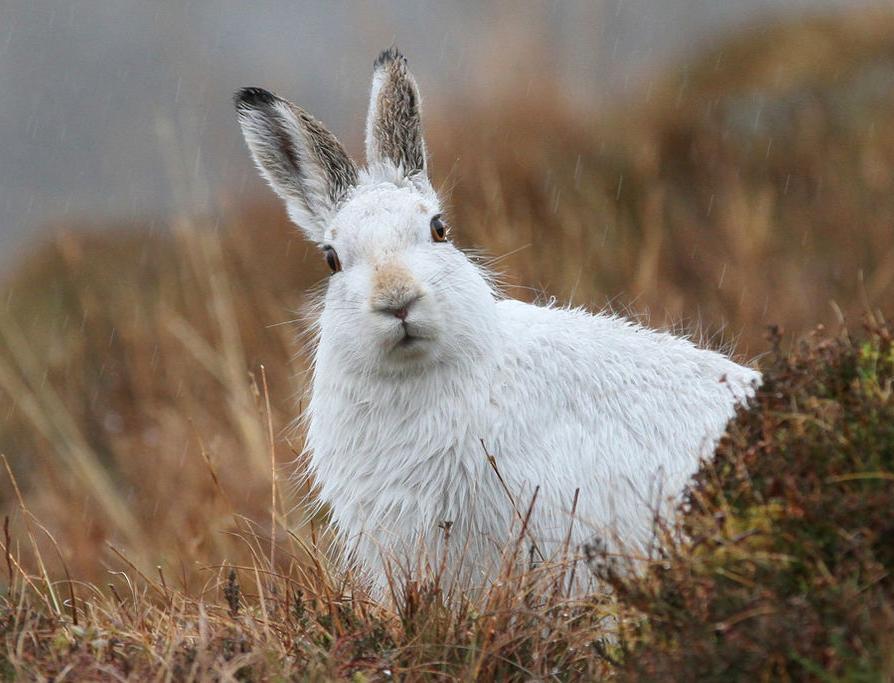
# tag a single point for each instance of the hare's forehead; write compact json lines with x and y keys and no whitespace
{"x":383,"y":215}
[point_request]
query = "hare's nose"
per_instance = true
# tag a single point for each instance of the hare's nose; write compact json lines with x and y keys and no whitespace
{"x":402,"y":309}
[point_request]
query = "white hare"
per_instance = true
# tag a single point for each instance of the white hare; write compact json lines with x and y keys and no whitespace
{"x":422,"y":369}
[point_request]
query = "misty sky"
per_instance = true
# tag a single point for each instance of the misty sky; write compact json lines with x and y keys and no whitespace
{"x":121,"y":108}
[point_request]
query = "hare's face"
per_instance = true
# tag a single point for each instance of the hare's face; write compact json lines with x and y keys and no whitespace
{"x":402,"y":294}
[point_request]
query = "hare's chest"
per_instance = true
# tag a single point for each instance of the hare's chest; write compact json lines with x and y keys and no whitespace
{"x":393,"y":453}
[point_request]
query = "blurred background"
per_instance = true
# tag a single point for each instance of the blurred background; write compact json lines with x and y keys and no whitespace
{"x":93,"y":88}
{"x":716,"y":166}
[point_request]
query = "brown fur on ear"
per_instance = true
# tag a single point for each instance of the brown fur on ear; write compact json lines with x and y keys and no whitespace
{"x":303,"y":162}
{"x":394,"y":123}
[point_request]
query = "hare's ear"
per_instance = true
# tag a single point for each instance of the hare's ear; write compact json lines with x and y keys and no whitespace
{"x":302,"y":161}
{"x":394,"y":124}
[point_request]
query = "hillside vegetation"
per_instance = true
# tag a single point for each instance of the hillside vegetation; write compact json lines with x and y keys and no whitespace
{"x":148,"y":375}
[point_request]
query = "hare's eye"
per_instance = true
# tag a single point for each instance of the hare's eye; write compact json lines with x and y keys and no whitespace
{"x":438,"y":229}
{"x":332,"y":259}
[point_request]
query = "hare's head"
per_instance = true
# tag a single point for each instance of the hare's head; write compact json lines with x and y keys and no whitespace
{"x":401,"y":295}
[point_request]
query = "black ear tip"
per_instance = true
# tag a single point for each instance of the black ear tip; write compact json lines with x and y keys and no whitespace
{"x":247,"y":98}
{"x":386,"y":57}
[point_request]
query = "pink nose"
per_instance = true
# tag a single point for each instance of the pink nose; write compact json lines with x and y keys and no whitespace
{"x":400,"y":309}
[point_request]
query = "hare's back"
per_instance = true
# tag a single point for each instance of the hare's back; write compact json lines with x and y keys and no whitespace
{"x":605,"y":405}
{"x":603,"y":354}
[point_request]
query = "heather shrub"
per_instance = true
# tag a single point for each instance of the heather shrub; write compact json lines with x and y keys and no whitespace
{"x":783,"y":569}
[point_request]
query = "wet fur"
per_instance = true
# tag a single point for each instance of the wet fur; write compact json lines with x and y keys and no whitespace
{"x":405,"y":440}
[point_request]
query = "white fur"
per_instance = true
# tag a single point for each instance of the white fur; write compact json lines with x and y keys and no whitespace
{"x":563,"y":400}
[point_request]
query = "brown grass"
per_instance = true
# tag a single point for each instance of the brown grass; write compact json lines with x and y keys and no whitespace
{"x":148,"y":376}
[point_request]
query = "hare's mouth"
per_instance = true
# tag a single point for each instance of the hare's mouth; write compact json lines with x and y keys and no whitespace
{"x":408,"y":340}
{"x":411,"y":337}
